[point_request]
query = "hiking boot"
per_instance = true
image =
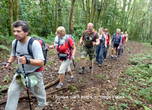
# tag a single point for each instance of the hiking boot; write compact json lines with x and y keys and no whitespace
{"x":99,"y":65}
{"x":60,"y":85}
{"x":39,"y":108}
{"x":112,"y":56}
{"x":90,"y":67}
{"x":71,"y":79}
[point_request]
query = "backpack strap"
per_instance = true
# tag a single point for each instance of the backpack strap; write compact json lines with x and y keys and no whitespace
{"x":29,"y":48}
{"x":69,"y":36}
{"x":16,"y":41}
{"x":58,"y":43}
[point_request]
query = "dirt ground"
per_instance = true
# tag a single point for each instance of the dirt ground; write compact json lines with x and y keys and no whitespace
{"x":87,"y":91}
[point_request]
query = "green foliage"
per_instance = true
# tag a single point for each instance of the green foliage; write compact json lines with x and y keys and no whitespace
{"x":112,"y":108}
{"x":100,"y":76}
{"x":46,"y":15}
{"x":78,"y":28}
{"x":139,"y":58}
{"x":4,"y":47}
{"x":139,"y":81}
{"x":66,"y":108}
{"x":146,"y":108}
{"x":72,"y":88}
{"x":7,"y":79}
{"x":123,"y":106}
{"x":6,"y":40}
{"x":3,"y":87}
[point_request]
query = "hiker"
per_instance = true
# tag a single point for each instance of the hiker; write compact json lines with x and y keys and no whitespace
{"x":101,"y":47}
{"x":123,"y":42}
{"x":27,"y":66}
{"x":88,"y":40}
{"x":107,"y":42}
{"x":116,"y":43}
{"x":125,"y":37}
{"x":66,"y":49}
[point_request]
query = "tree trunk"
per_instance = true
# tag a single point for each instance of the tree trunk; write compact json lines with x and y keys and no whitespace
{"x":13,"y":13}
{"x":88,"y":11}
{"x":59,"y":11}
{"x":71,"y":21}
{"x":10,"y":16}
{"x":15,"y":9}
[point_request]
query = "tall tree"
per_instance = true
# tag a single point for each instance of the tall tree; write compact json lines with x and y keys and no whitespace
{"x":13,"y":12}
{"x":71,"y":21}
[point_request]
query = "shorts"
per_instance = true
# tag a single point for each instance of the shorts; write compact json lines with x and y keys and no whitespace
{"x":116,"y":45}
{"x":88,"y":52}
{"x":65,"y":66}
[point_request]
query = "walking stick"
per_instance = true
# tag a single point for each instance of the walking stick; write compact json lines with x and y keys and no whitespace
{"x":27,"y":88}
{"x":92,"y":61}
{"x":73,"y":63}
{"x":92,"y":66}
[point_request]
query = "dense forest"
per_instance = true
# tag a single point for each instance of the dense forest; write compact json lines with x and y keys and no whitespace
{"x":44,"y":16}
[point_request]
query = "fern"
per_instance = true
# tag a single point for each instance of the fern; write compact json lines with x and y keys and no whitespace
{"x":3,"y":47}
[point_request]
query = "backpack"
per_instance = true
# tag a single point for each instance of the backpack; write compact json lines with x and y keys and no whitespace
{"x":116,"y":39}
{"x":29,"y":48}
{"x":89,"y":39}
{"x":63,"y":48}
{"x":123,"y":39}
{"x":107,"y":38}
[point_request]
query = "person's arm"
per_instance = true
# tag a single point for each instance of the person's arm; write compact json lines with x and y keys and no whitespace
{"x":81,"y":40}
{"x":12,"y":57}
{"x":51,"y":47}
{"x":109,"y":39}
{"x":112,"y":40}
{"x":38,"y":59}
{"x":106,"y":40}
{"x":120,"y":43}
{"x":74,"y":51}
{"x":97,"y":40}
{"x":127,"y":38}
{"x":72,"y":46}
{"x":10,"y":61}
{"x":35,"y":62}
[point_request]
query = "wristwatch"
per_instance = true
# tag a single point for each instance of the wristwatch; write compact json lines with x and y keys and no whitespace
{"x":27,"y":60}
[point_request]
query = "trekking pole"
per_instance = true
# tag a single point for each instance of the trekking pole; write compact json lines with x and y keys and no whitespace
{"x":27,"y":88}
{"x":92,"y":66}
{"x":73,"y":63}
{"x":92,"y":62}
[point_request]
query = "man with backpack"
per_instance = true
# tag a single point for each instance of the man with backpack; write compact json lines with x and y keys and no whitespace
{"x":66,"y":48}
{"x":116,"y":43}
{"x":29,"y":71}
{"x":89,"y":40}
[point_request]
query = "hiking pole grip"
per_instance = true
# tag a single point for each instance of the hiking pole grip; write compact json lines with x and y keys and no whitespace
{"x":27,"y":89}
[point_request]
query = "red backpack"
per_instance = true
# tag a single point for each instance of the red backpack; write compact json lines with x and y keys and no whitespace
{"x":64,"y":50}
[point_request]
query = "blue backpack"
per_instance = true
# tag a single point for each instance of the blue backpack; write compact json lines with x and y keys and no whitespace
{"x":116,"y":39}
